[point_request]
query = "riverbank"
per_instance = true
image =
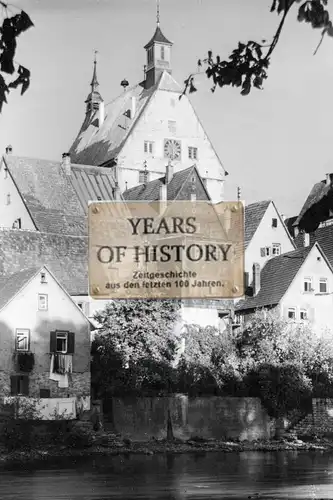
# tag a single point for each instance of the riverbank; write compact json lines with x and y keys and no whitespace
{"x":152,"y":447}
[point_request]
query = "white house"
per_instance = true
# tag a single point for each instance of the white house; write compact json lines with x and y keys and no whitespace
{"x":299,"y":284}
{"x":44,"y":343}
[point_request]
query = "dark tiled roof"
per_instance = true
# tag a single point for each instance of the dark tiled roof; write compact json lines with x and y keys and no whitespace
{"x":316,"y":208}
{"x":158,"y":37}
{"x":151,"y":190}
{"x":11,"y":284}
{"x":58,"y":202}
{"x":289,"y":223}
{"x":253,"y":215}
{"x":276,"y":277}
{"x":97,"y":146}
{"x":323,"y":236}
{"x":65,"y":256}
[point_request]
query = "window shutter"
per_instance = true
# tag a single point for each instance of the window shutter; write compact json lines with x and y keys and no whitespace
{"x":262,"y":252}
{"x":53,"y":341}
{"x":14,"y":385}
{"x":25,"y":385}
{"x":71,"y":343}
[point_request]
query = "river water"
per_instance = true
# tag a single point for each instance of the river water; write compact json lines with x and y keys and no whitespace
{"x":287,"y":475}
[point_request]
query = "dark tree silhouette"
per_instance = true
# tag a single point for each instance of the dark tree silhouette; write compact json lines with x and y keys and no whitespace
{"x":14,"y":22}
{"x":248,"y":64}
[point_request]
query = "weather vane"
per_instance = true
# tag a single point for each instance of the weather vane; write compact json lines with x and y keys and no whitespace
{"x":158,"y":12}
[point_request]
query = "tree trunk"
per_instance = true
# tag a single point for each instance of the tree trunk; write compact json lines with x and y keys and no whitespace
{"x":279,"y":427}
{"x":170,"y":436}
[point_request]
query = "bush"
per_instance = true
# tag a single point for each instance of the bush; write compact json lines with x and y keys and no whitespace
{"x":79,"y":437}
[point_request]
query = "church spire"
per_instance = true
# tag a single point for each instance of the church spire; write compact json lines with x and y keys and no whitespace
{"x":158,"y":13}
{"x":158,"y":54}
{"x":94,"y":82}
{"x":94,"y":98}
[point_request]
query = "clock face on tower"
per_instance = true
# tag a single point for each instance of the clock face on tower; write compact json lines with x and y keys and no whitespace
{"x":172,"y":149}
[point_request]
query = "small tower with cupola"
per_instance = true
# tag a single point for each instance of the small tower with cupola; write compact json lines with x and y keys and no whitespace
{"x":158,"y":55}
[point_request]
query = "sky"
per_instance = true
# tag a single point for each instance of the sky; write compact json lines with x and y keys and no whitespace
{"x":275,"y":143}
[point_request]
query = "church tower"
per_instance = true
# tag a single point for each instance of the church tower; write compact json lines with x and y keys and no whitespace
{"x":94,"y":102}
{"x":158,"y":51}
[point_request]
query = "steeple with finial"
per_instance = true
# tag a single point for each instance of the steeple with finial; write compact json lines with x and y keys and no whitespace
{"x":94,"y":98}
{"x":158,"y":54}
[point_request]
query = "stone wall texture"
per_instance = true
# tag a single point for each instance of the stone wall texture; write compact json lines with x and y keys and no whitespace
{"x":205,"y":417}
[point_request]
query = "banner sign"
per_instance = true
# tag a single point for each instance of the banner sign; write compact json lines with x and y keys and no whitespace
{"x":163,"y":250}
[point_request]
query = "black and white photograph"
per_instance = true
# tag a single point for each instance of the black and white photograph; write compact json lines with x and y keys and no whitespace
{"x":166,"y":249}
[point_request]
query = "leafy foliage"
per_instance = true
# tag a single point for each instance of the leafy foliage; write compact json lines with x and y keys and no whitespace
{"x":12,"y":26}
{"x":247,"y":65}
{"x":135,"y":347}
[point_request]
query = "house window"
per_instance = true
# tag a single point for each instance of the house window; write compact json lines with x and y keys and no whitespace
{"x":162,"y":53}
{"x":303,"y":314}
{"x":43,"y":278}
{"x":193,"y":153}
{"x":323,"y":285}
{"x":276,"y":249}
{"x":42,"y":302}
{"x":292,"y":313}
{"x":17,"y":224}
{"x":22,"y":339}
{"x":148,"y":147}
{"x":62,"y":341}
{"x":150,"y":55}
{"x":6,"y":172}
{"x":19,"y":385}
{"x":8,"y":199}
{"x":274,"y":222}
{"x":172,"y":126}
{"x":307,"y":285}
{"x":265,"y":251}
{"x":143,"y":176}
{"x":44,"y":393}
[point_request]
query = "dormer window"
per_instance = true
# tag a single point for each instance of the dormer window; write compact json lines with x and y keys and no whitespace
{"x":143,"y":177}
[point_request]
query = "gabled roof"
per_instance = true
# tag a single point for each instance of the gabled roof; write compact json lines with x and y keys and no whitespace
{"x":253,"y":216}
{"x":97,"y":146}
{"x":57,"y":202}
{"x":158,"y":37}
{"x":10,"y":285}
{"x":65,"y":256}
{"x":324,"y":237}
{"x":151,"y":190}
{"x":275,"y":279}
{"x":316,"y":207}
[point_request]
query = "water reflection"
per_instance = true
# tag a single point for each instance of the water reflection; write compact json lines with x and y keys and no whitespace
{"x":177,"y":477}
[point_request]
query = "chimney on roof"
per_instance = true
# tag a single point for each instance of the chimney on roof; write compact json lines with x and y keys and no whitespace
{"x":256,"y":279}
{"x":117,"y":196}
{"x":66,"y":163}
{"x":163,"y":196}
{"x":9,"y":150}
{"x":133,"y":107}
{"x":193,"y":189}
{"x":101,"y":114}
{"x":306,"y":239}
{"x":329,"y":179}
{"x":169,"y":172}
